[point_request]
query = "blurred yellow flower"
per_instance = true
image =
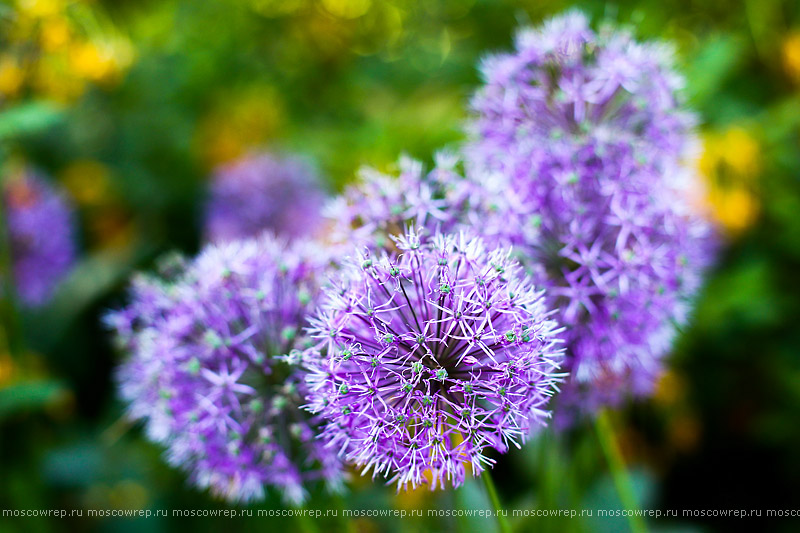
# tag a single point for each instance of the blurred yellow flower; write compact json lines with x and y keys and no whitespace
{"x":64,"y":44}
{"x":243,"y":121}
{"x":50,"y":81}
{"x":790,"y":52}
{"x":669,"y":388}
{"x":87,"y":181}
{"x":742,"y":152}
{"x":6,"y":369}
{"x":109,"y":225}
{"x":11,"y":77}
{"x":55,"y":34}
{"x":88,"y":60}
{"x":736,"y":208}
{"x":40,"y":8}
{"x":735,"y":148}
{"x":730,"y":162}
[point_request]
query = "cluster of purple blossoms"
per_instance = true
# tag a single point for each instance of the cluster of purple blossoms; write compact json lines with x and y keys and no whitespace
{"x":427,"y":359}
{"x":264,"y":192}
{"x":213,"y":372}
{"x":429,"y":351}
{"x":581,"y":144}
{"x":379,"y":206}
{"x":41,"y":233}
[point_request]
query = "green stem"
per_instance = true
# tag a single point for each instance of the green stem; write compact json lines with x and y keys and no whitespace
{"x":550,"y":472}
{"x":605,"y":433}
{"x":500,"y":513}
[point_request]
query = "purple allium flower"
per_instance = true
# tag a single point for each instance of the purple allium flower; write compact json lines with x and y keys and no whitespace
{"x":432,"y":357}
{"x":264,"y":192}
{"x":380,"y":205}
{"x":41,"y":232}
{"x":213,"y":368}
{"x":580,"y":140}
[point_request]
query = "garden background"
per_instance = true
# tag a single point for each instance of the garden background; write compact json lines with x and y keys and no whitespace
{"x":130,"y":105}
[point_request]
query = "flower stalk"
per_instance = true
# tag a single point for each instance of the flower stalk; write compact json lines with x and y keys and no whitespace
{"x":619,"y":473}
{"x":499,"y":512}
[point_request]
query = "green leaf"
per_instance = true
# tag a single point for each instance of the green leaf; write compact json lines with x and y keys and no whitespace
{"x":711,"y":67}
{"x":30,"y":395}
{"x":471,"y":496}
{"x":27,"y":118}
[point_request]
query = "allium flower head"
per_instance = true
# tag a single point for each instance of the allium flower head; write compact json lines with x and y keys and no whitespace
{"x":567,"y":83}
{"x":41,"y":233}
{"x":433,"y":357}
{"x":581,"y":143}
{"x":369,"y":212}
{"x":264,"y":192}
{"x":213,"y":368}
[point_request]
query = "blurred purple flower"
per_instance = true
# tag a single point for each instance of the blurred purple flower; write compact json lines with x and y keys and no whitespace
{"x":431,"y":357}
{"x":580,"y":142}
{"x":213,"y":368}
{"x":41,"y":232}
{"x":369,"y":212}
{"x":264,"y":192}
